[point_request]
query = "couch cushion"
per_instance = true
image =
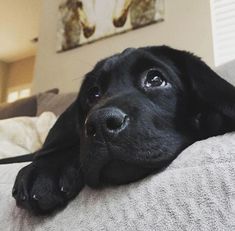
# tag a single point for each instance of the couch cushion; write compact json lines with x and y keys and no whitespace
{"x":54,"y":103}
{"x":196,"y":192}
{"x":227,"y":71}
{"x":22,"y":107}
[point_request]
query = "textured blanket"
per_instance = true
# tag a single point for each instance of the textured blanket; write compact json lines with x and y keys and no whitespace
{"x":196,"y":192}
{"x":22,"y":135}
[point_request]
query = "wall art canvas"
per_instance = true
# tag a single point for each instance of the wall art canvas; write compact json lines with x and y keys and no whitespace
{"x":85,"y":21}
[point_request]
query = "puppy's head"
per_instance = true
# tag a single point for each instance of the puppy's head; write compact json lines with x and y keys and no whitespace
{"x":141,"y":107}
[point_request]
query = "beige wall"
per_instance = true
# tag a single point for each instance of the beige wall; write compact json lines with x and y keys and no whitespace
{"x":14,"y":75}
{"x":187,"y":26}
{"x":20,"y":72}
{"x":3,"y":79}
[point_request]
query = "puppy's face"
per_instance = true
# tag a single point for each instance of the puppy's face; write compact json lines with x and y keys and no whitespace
{"x":137,"y":116}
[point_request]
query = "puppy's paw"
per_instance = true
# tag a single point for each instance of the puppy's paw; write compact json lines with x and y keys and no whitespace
{"x":43,"y":190}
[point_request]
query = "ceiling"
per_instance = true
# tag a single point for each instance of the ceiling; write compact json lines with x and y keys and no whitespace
{"x":19,"y":24}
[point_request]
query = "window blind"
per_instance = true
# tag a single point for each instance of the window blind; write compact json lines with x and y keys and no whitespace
{"x":223,"y":30}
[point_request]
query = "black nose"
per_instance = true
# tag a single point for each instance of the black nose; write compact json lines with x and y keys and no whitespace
{"x":107,"y":121}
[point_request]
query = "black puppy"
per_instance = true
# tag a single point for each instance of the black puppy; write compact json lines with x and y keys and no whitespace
{"x":136,"y":111}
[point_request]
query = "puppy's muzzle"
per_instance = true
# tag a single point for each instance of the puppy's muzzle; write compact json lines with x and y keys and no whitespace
{"x":106,"y":121}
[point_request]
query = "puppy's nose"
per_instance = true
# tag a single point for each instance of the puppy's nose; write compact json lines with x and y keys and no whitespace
{"x":106,"y":120}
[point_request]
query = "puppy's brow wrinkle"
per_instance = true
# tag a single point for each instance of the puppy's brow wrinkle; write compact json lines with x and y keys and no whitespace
{"x":127,"y":51}
{"x":109,"y":63}
{"x":115,"y":59}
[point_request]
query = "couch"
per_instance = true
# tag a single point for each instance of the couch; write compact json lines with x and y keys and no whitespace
{"x":195,"y":192}
{"x":35,"y":105}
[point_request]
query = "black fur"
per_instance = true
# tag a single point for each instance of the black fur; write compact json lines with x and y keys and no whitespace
{"x":17,"y":159}
{"x":193,"y":104}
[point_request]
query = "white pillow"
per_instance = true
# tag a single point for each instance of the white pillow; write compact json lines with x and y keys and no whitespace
{"x":22,"y":135}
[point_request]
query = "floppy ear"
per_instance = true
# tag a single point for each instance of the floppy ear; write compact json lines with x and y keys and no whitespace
{"x":208,"y":86}
{"x":65,"y":132}
{"x":213,"y":98}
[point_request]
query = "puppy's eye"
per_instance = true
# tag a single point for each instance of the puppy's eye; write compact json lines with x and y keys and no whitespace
{"x":94,"y":94}
{"x":154,"y":78}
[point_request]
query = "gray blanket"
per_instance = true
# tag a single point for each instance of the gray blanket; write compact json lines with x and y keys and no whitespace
{"x":196,"y":192}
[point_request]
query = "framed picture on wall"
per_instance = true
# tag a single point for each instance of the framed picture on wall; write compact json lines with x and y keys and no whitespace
{"x":85,"y":21}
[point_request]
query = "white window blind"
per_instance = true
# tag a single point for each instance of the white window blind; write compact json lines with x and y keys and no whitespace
{"x":223,"y":27}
